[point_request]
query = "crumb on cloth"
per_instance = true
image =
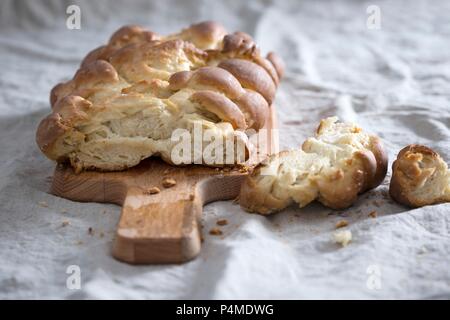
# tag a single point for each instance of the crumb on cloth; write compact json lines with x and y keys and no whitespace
{"x":215,"y":232}
{"x":43,"y":204}
{"x":222,"y":222}
{"x":341,"y":224}
{"x":342,"y":237}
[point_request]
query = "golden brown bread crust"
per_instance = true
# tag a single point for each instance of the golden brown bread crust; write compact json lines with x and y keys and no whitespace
{"x":221,"y":106}
{"x":251,"y":76}
{"x":223,"y":75}
{"x":333,"y":168}
{"x":419,"y":177}
{"x":205,"y":35}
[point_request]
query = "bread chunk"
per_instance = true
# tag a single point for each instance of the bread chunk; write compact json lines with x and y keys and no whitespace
{"x":333,"y":167}
{"x":420,"y":177}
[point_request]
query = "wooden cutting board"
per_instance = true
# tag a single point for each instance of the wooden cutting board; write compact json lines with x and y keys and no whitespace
{"x":163,"y":227}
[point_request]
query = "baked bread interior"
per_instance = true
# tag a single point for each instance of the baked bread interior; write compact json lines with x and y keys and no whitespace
{"x":333,"y":167}
{"x":131,"y":94}
{"x":420,"y":177}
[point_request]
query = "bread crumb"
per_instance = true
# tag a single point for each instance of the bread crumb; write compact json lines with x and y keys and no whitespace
{"x":222,"y":222}
{"x":243,"y":168}
{"x":168,"y":182}
{"x":373,"y":214}
{"x":65,"y":223}
{"x":102,"y":234}
{"x":43,"y":204}
{"x":79,"y":242}
{"x":64,"y":211}
{"x":341,"y":224}
{"x":342,"y":237}
{"x":423,"y":250}
{"x":215,"y":232}
{"x":376,"y":203}
{"x":90,"y":231}
{"x":152,"y":190}
{"x":191,"y":197}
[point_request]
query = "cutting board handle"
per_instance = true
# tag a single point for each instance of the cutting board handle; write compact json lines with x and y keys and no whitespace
{"x":159,"y":228}
{"x":153,"y":228}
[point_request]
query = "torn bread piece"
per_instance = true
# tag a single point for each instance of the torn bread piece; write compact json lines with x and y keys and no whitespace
{"x":420,"y":177}
{"x":130,"y":97}
{"x":333,"y":167}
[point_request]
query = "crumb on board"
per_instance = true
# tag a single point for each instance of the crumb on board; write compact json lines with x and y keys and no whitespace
{"x":215,"y":232}
{"x":167,"y":171}
{"x":341,"y":224}
{"x":168,"y":182}
{"x":342,"y":237}
{"x":43,"y":204}
{"x":244,"y":169}
{"x":152,"y":190}
{"x":373,"y":214}
{"x":222,"y":222}
{"x":65,"y":223}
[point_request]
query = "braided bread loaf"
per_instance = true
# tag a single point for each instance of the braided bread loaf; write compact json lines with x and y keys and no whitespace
{"x":128,"y":96}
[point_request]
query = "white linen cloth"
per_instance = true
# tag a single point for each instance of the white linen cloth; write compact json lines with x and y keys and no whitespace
{"x":394,"y":81}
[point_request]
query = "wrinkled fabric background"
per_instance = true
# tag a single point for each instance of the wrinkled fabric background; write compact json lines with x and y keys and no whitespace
{"x":394,"y":82}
